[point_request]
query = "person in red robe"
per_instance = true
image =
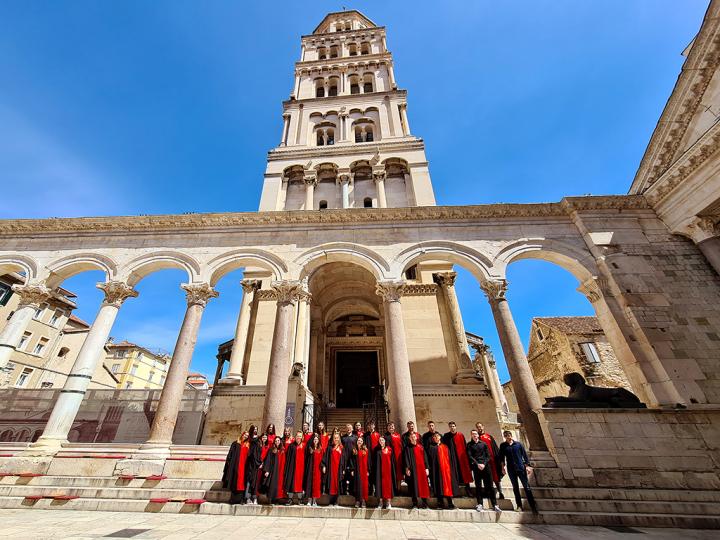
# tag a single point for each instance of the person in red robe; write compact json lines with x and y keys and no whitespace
{"x":371,"y":436}
{"x":324,"y":435}
{"x":383,"y":473}
{"x":313,"y":470}
{"x":394,"y":440}
{"x":294,"y":473}
{"x":235,"y":472}
{"x":288,"y":437}
{"x":360,"y":464}
{"x":270,"y":432}
{"x":306,"y":433}
{"x":406,"y":435}
{"x":495,"y":465}
{"x":333,"y":468}
{"x":358,"y":430}
{"x":417,"y":471}
{"x":456,"y":442}
{"x":442,"y":473}
{"x":264,"y":448}
{"x":274,"y":472}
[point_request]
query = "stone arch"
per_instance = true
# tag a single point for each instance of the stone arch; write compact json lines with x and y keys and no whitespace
{"x":68,"y":266}
{"x":342,"y":252}
{"x":578,"y":261}
{"x":240,"y":258}
{"x":345,"y":306}
{"x":476,"y":262}
{"x":19,"y":263}
{"x":144,"y":265}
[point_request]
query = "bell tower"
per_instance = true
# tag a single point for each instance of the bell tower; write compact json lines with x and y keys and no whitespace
{"x":346,"y":141}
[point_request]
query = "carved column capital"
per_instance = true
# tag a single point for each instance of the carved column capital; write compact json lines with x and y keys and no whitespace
{"x":250,"y":285}
{"x":390,"y":290}
{"x":32,"y":294}
{"x":287,"y":291}
{"x":116,"y":292}
{"x":379,"y":175}
{"x":495,"y":289}
{"x":198,"y":293}
{"x":594,"y":288}
{"x":310,"y":178}
{"x":344,"y":178}
{"x":445,"y":279}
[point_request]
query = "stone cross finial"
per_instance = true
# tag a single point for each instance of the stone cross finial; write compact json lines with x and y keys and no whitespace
{"x":495,"y":289}
{"x":198,"y":293}
{"x":391,"y":290}
{"x":32,"y":294}
{"x":116,"y":292}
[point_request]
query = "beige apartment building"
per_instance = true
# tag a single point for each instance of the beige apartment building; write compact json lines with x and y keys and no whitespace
{"x":136,"y":367}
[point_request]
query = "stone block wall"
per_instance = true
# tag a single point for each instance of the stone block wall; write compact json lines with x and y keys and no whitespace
{"x":634,"y":448}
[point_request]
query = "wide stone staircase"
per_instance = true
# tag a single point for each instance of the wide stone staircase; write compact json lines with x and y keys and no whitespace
{"x":340,"y":417}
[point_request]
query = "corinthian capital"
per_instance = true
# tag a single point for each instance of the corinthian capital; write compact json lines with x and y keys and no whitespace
{"x":594,"y":288}
{"x":116,"y":292}
{"x":445,"y":279}
{"x":391,"y":290}
{"x":32,"y":294}
{"x":287,"y":291}
{"x":250,"y":285}
{"x":344,"y":178}
{"x":495,"y":289}
{"x":310,"y":178}
{"x":198,"y":293}
{"x":379,"y":175}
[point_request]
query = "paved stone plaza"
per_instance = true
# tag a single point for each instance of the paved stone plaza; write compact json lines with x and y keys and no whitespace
{"x":66,"y":524}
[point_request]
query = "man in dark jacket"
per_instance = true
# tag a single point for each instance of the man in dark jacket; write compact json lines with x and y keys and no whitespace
{"x":479,"y":457}
{"x":515,"y":462}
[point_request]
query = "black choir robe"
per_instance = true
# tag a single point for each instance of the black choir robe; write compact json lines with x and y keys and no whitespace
{"x":272,"y":485}
{"x":338,"y":474}
{"x":427,"y":439}
{"x":496,"y":468}
{"x":254,"y":462}
{"x":293,"y":454}
{"x":360,"y":466}
{"x":380,"y":472}
{"x":371,"y":439}
{"x":406,"y":438}
{"x":443,"y":476}
{"x":230,"y":471}
{"x":459,"y":457}
{"x":313,"y":473}
{"x":418,"y":480}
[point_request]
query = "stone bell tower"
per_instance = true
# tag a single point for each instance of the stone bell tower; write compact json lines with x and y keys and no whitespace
{"x":346,"y":141}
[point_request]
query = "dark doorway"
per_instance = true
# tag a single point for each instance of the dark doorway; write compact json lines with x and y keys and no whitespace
{"x":357,"y":374}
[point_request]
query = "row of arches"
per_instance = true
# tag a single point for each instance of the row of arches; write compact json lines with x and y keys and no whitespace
{"x":335,"y":50}
{"x":360,"y":83}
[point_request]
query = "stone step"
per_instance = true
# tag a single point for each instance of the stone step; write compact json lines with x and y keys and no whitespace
{"x":600,"y":519}
{"x":671,"y":495}
{"x":103,"y":492}
{"x":111,"y":482}
{"x":631,"y":507}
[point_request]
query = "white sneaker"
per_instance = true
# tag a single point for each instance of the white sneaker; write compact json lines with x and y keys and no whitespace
{"x":497,"y":508}
{"x":389,"y":506}
{"x":480,"y":508}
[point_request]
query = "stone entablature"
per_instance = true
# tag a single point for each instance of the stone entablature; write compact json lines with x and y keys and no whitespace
{"x":308,"y":66}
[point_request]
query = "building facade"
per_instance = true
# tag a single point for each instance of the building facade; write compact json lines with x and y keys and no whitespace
{"x":136,"y":367}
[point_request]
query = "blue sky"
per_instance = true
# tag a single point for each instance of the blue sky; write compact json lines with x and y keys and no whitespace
{"x":170,"y":106}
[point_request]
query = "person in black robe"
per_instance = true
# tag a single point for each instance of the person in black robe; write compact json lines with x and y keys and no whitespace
{"x":457,"y":444}
{"x":333,"y":468}
{"x":349,"y":440}
{"x":428,"y":435}
{"x":294,"y":473}
{"x":272,"y":482}
{"x":480,"y":463}
{"x":417,"y":470}
{"x":406,"y":435}
{"x":360,"y":465}
{"x":382,"y":473}
{"x":442,"y":474}
{"x":313,"y":470}
{"x":235,"y":473}
{"x":495,"y":465}
{"x":253,"y":465}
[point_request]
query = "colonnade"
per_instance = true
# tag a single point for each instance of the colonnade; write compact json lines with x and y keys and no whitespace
{"x":291,"y":337}
{"x":345,"y":180}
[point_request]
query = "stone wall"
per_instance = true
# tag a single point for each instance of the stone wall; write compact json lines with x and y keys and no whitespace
{"x":634,"y":448}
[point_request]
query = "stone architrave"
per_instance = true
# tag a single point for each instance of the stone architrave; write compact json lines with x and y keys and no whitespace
{"x":163,"y":425}
{"x":287,"y":292}
{"x":521,"y":375}
{"x":464,"y":371}
{"x":32,"y":296}
{"x":237,"y":356}
{"x":68,"y":403}
{"x":402,"y":401}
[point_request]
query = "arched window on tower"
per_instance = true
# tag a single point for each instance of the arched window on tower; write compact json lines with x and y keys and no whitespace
{"x":319,"y":88}
{"x":352,"y":49}
{"x":367,"y":83}
{"x":333,"y":89}
{"x":354,"y":84}
{"x":365,"y":48}
{"x":334,"y":51}
{"x":323,"y":205}
{"x":367,"y":202}
{"x":322,"y":53}
{"x":325,"y":134}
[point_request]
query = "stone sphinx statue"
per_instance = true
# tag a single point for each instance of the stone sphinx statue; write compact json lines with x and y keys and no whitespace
{"x":582,"y":395}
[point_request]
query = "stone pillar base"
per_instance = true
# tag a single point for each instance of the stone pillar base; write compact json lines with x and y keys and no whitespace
{"x":467,"y":376}
{"x":26,"y":464}
{"x":139,"y":467}
{"x":152,"y":451}
{"x":231,"y":381}
{"x":44,"y":447}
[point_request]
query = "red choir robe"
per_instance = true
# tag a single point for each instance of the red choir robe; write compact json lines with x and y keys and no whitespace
{"x":236,"y":467}
{"x":495,"y":466}
{"x":458,"y":453}
{"x":307,"y":437}
{"x":383,"y":472}
{"x":324,"y":441}
{"x":271,"y":438}
{"x":313,"y":474}
{"x":394,"y":440}
{"x":274,"y":466}
{"x":415,"y":459}
{"x":361,"y":467}
{"x":263,"y":454}
{"x":294,"y":468}
{"x":371,"y":439}
{"x":334,"y":463}
{"x":442,"y":471}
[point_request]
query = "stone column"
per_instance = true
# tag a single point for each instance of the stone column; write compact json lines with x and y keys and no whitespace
{"x":288,"y":292}
{"x":296,"y":90}
{"x":391,"y":76}
{"x":161,"y":431}
{"x":286,"y":127}
{"x":313,"y":367}
{"x":218,"y":370}
{"x":379,"y":177}
{"x":343,"y":126}
{"x":464,"y":371}
{"x":521,"y":375}
{"x":491,"y":377}
{"x":237,"y":355}
{"x":402,"y":402}
{"x":310,"y":180}
{"x":31,"y":297}
{"x":301,"y":332}
{"x":344,"y":180}
{"x":71,"y":396}
{"x":405,"y":124}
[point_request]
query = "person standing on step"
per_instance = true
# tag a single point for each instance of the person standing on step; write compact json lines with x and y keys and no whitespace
{"x":383,"y":473}
{"x":253,"y":465}
{"x":270,"y":432}
{"x":264,"y":449}
{"x":324,"y":435}
{"x":495,"y":467}
{"x":417,"y":471}
{"x":515,"y":461}
{"x":287,"y":437}
{"x":274,"y":472}
{"x":333,"y":468}
{"x":479,"y":456}
{"x":442,"y":472}
{"x":358,"y":430}
{"x":394,"y":441}
{"x":406,"y":435}
{"x":306,"y":433}
{"x":349,"y":440}
{"x":371,"y":436}
{"x":428,"y":435}
{"x":313,"y":470}
{"x":235,"y":472}
{"x":455,"y":441}
{"x":361,"y":471}
{"x":295,"y":468}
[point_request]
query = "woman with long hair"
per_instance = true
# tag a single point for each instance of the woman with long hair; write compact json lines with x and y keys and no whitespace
{"x":288,"y":437}
{"x":333,"y":467}
{"x":273,"y":472}
{"x":313,"y":470}
{"x":360,"y":464}
{"x":264,"y":448}
{"x":383,"y":473}
{"x":236,"y":471}
{"x":270,"y":432}
{"x":324,"y":436}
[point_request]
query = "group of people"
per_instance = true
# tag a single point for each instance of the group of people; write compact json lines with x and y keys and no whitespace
{"x":301,"y":467}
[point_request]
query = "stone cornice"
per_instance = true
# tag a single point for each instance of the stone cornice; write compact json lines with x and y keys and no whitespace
{"x":194,"y":223}
{"x":346,"y":33}
{"x":696,"y":74}
{"x":343,"y":98}
{"x":344,"y":61}
{"x":313,"y":152}
{"x":420,"y":289}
